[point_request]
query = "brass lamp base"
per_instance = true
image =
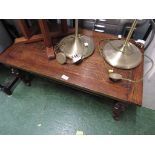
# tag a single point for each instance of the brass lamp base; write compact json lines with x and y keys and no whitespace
{"x":125,"y":58}
{"x":76,"y":47}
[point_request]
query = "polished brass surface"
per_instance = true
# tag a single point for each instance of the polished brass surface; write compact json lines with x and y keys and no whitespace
{"x":115,"y":76}
{"x":76,"y":47}
{"x":61,"y":58}
{"x":121,"y":53}
{"x":112,"y":53}
{"x":130,"y":32}
{"x":76,"y":28}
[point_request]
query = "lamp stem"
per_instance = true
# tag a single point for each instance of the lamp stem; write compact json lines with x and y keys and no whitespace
{"x":130,"y":33}
{"x":76,"y":28}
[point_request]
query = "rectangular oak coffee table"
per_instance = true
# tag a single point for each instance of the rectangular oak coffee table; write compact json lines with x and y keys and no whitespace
{"x":90,"y":75}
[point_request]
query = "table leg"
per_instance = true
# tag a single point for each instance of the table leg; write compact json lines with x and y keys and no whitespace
{"x":14,"y":78}
{"x":7,"y":87}
{"x":117,"y":109}
{"x":64,"y":26}
{"x":47,"y":38}
{"x":24,"y":28}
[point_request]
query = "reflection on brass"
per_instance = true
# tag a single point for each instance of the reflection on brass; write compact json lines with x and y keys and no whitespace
{"x":123,"y":54}
{"x":61,"y":58}
{"x":115,"y":76}
{"x":76,"y":47}
{"x":129,"y":58}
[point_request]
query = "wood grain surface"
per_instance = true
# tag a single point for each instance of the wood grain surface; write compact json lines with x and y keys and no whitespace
{"x":91,"y":75}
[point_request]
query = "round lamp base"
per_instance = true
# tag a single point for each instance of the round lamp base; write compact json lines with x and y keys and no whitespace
{"x":129,"y":58}
{"x":76,"y":48}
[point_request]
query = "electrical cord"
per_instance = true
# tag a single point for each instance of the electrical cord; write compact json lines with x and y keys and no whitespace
{"x":141,"y":79}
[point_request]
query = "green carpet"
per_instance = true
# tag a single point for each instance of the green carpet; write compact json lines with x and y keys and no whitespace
{"x":50,"y":108}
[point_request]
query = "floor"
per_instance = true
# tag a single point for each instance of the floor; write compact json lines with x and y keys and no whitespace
{"x":149,"y":80}
{"x":50,"y":108}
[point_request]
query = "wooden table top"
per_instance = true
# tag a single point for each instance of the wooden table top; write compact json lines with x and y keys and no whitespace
{"x":91,"y":75}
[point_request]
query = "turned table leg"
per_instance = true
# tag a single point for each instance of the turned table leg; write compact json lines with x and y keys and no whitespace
{"x":12,"y":81}
{"x":8,"y":86}
{"x":117,"y":109}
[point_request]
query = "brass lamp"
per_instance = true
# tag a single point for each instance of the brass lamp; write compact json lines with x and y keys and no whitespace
{"x":122,"y":53}
{"x":74,"y":48}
